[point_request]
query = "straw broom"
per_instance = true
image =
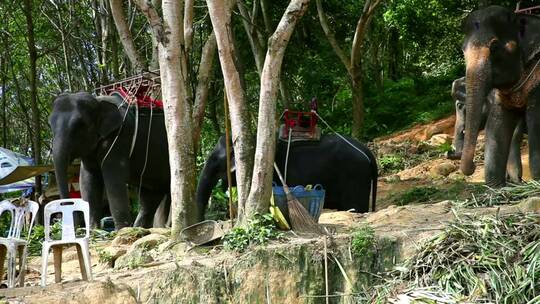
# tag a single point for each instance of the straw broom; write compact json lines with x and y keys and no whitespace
{"x":301,"y":220}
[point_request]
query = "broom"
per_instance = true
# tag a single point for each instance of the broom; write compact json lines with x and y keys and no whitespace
{"x":301,"y":220}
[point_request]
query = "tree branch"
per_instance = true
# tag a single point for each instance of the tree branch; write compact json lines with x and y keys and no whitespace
{"x":332,"y":38}
{"x":125,"y":35}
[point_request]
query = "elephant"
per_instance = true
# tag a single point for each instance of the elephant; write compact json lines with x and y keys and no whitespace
{"x":514,"y":170}
{"x":501,"y":50}
{"x":348,"y":172}
{"x":99,"y":131}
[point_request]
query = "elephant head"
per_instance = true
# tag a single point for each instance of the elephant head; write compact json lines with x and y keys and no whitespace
{"x":78,"y":122}
{"x":498,"y":46}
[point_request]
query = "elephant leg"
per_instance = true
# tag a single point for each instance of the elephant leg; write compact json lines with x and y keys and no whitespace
{"x":91,"y":184}
{"x":149,"y":203}
{"x":500,"y":127}
{"x":533,"y":127}
{"x":514,"y":169}
{"x":162,"y":213}
{"x":115,"y":177}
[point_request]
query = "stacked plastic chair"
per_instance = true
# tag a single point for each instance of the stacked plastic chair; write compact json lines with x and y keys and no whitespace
{"x":66,"y":207}
{"x":13,"y":245}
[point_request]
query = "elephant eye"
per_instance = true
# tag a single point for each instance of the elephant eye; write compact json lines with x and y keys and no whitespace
{"x":476,"y":25}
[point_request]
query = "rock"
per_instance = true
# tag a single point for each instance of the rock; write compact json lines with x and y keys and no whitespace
{"x":109,"y":255}
{"x":149,"y":241}
{"x":432,"y":130}
{"x":133,"y":259}
{"x":532,"y":204}
{"x":394,"y":178}
{"x":456,"y":176}
{"x":95,"y":292}
{"x":443,"y":169}
{"x":439,"y":139}
{"x":128,"y":235}
{"x":163,"y":231}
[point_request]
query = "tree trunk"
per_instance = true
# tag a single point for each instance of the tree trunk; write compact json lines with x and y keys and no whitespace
{"x":261,"y":184}
{"x":354,"y":65}
{"x":203,"y":85}
{"x":4,"y":105}
{"x":36,"y":125}
{"x":169,"y":34}
{"x":220,"y":14}
{"x":125,"y":35}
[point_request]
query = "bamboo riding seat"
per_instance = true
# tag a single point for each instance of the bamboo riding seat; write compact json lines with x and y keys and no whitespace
{"x":66,"y":207}
{"x":300,"y":126}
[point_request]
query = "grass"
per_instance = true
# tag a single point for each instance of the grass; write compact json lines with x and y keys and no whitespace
{"x":459,"y":190}
{"x":258,"y":231}
{"x":363,"y":241}
{"x":479,"y":259}
{"x":393,"y":158}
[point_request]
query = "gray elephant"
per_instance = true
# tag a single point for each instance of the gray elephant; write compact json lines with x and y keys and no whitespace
{"x":100,"y":131}
{"x":514,"y":169}
{"x":501,"y":51}
{"x":348,"y":172}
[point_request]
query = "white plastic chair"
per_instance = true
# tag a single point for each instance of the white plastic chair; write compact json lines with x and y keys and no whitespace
{"x":13,"y":244}
{"x":66,"y":207}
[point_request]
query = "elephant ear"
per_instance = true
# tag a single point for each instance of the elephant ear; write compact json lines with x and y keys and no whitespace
{"x":109,"y":119}
{"x":529,"y":35}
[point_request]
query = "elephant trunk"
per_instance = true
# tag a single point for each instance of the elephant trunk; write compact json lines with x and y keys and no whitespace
{"x":477,"y":88}
{"x":459,"y":127}
{"x":207,"y":180}
{"x":61,"y":160}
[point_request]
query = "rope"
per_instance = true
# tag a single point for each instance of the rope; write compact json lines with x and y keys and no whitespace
{"x":287,"y":155}
{"x":146,"y":151}
{"x":341,"y":136}
{"x":517,"y":87}
{"x":117,"y":133}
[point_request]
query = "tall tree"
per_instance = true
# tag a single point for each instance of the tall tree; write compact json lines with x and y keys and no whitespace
{"x":253,"y":191}
{"x":220,"y":14}
{"x":352,"y":63}
{"x":33,"y":56}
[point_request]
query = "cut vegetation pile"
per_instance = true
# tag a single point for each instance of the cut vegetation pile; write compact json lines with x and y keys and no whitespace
{"x":483,"y":260}
{"x":507,"y":195}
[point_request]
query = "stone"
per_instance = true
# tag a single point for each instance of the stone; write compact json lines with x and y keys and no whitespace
{"x":149,"y":242}
{"x":532,"y":204}
{"x":439,"y":139}
{"x":133,"y":259}
{"x":456,"y":176}
{"x":443,"y":169}
{"x":394,"y":178}
{"x":128,"y":235}
{"x":109,"y":255}
{"x":163,"y":231}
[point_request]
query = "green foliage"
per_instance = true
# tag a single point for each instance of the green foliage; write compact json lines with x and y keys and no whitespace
{"x":391,"y":163}
{"x":219,"y":204}
{"x":416,"y":195}
{"x":258,"y":231}
{"x":104,"y":257}
{"x":38,"y":236}
{"x":445,"y":147}
{"x":363,"y":241}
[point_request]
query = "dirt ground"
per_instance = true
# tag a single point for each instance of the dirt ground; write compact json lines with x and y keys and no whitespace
{"x":413,"y":222}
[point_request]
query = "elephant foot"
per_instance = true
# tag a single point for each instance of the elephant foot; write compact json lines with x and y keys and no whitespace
{"x":453,"y":155}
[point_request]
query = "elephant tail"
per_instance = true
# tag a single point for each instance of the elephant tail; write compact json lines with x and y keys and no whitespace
{"x":374,"y":179}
